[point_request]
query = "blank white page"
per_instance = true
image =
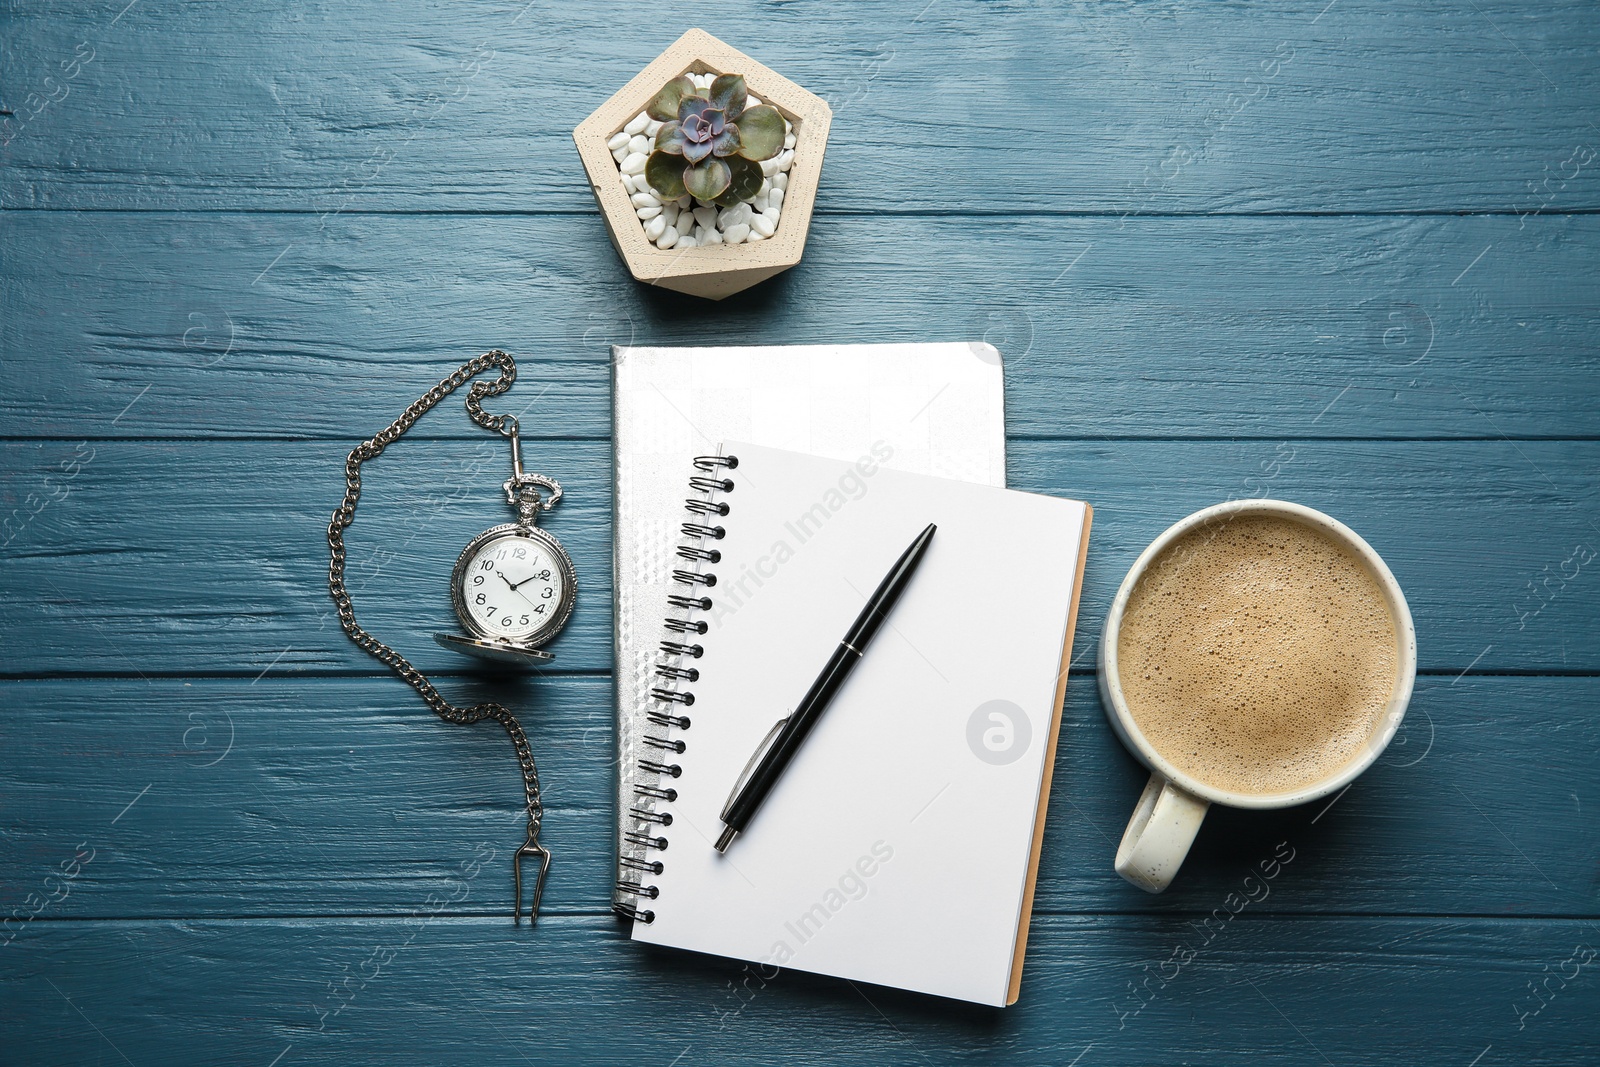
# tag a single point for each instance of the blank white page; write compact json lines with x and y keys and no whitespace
{"x":896,"y":848}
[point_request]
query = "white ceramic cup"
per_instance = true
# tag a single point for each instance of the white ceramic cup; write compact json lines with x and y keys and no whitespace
{"x":1173,"y":804}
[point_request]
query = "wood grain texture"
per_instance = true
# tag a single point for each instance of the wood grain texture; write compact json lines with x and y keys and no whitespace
{"x":1338,"y":253}
{"x":420,"y":991}
{"x":296,"y":796}
{"x":184,"y":557}
{"x":267,"y":325}
{"x":1158,"y":107}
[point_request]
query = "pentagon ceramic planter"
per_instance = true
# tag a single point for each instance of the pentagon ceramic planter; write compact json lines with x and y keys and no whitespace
{"x":713,"y":271}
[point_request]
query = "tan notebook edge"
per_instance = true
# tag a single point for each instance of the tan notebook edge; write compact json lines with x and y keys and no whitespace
{"x":1023,"y":922}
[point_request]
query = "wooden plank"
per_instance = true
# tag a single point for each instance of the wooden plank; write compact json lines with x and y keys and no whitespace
{"x":1060,"y":107}
{"x":164,"y":557}
{"x":263,"y":325}
{"x":1263,"y":991}
{"x":295,"y":796}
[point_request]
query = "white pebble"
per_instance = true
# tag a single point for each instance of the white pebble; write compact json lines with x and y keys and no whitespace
{"x":738,"y":214}
{"x":775,"y":198}
{"x":668,"y":238}
{"x":618,"y":140}
{"x":640,"y":143}
{"x":785,"y":159}
{"x":759,"y":203}
{"x":654,"y":228}
{"x":647,"y":213}
{"x":685,"y":240}
{"x":712,"y":237}
{"x":754,"y":237}
{"x":752,"y":100}
{"x":736,"y":233}
{"x":670,"y":212}
{"x":788,"y":140}
{"x":644,"y":200}
{"x":701,"y":203}
{"x":780,"y":181}
{"x":769,"y":167}
{"x":627,"y":183}
{"x":634,"y":164}
{"x":684,"y":201}
{"x":620,"y":154}
{"x":765,"y":225}
{"x":636,"y":124}
{"x":652,"y":128}
{"x":706,"y":216}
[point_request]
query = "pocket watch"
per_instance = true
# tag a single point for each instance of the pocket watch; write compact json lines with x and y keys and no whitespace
{"x":527,"y":585}
{"x":514,"y":585}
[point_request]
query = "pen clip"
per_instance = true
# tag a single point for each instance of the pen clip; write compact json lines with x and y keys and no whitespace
{"x":755,"y":758}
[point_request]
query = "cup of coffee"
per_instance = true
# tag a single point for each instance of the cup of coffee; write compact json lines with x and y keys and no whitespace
{"x":1259,"y":654}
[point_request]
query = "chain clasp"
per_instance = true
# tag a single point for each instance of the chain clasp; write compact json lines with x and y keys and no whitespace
{"x":530,"y":847}
{"x":522,"y":488}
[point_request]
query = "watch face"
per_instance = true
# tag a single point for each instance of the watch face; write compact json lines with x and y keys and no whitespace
{"x":514,"y":585}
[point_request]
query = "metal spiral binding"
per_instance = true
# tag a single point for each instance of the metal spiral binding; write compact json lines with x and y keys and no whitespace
{"x":709,"y":482}
{"x":696,"y":529}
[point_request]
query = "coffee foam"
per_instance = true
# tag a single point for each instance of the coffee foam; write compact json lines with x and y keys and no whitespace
{"x":1258,"y":655}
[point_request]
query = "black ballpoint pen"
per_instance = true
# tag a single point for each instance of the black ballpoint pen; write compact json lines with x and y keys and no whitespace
{"x":769,"y":762}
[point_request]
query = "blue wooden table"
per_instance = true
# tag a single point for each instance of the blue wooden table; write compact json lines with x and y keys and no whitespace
{"x":1343,"y":253}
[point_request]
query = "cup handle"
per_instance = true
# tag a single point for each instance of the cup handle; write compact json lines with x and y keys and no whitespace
{"x":1159,"y":834}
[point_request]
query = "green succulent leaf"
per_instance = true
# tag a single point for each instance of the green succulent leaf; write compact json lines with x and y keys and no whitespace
{"x":760,"y":133}
{"x":670,"y":138}
{"x":663,"y":107}
{"x":746,"y":178}
{"x":664,"y":172}
{"x":726,"y":143}
{"x":728,"y":92}
{"x":707,"y":179}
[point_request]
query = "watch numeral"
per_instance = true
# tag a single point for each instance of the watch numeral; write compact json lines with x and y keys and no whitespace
{"x":549,"y":591}
{"x":519,"y":553}
{"x":480,"y":598}
{"x":539,"y":608}
{"x":488,"y":565}
{"x":489,"y":611}
{"x":524,"y":621}
{"x":506,"y":621}
{"x":477,"y":579}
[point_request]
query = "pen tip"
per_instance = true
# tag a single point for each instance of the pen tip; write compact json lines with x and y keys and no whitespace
{"x":726,"y":839}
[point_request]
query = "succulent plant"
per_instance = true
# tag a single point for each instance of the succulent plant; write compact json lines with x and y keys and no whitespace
{"x":711,"y":144}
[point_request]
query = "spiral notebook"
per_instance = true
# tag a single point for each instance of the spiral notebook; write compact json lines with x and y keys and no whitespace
{"x":936,"y":408}
{"x":901,"y":847}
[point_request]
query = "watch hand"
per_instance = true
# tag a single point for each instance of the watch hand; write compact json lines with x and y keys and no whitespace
{"x":523,"y":595}
{"x":508,"y":581}
{"x":529,"y":578}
